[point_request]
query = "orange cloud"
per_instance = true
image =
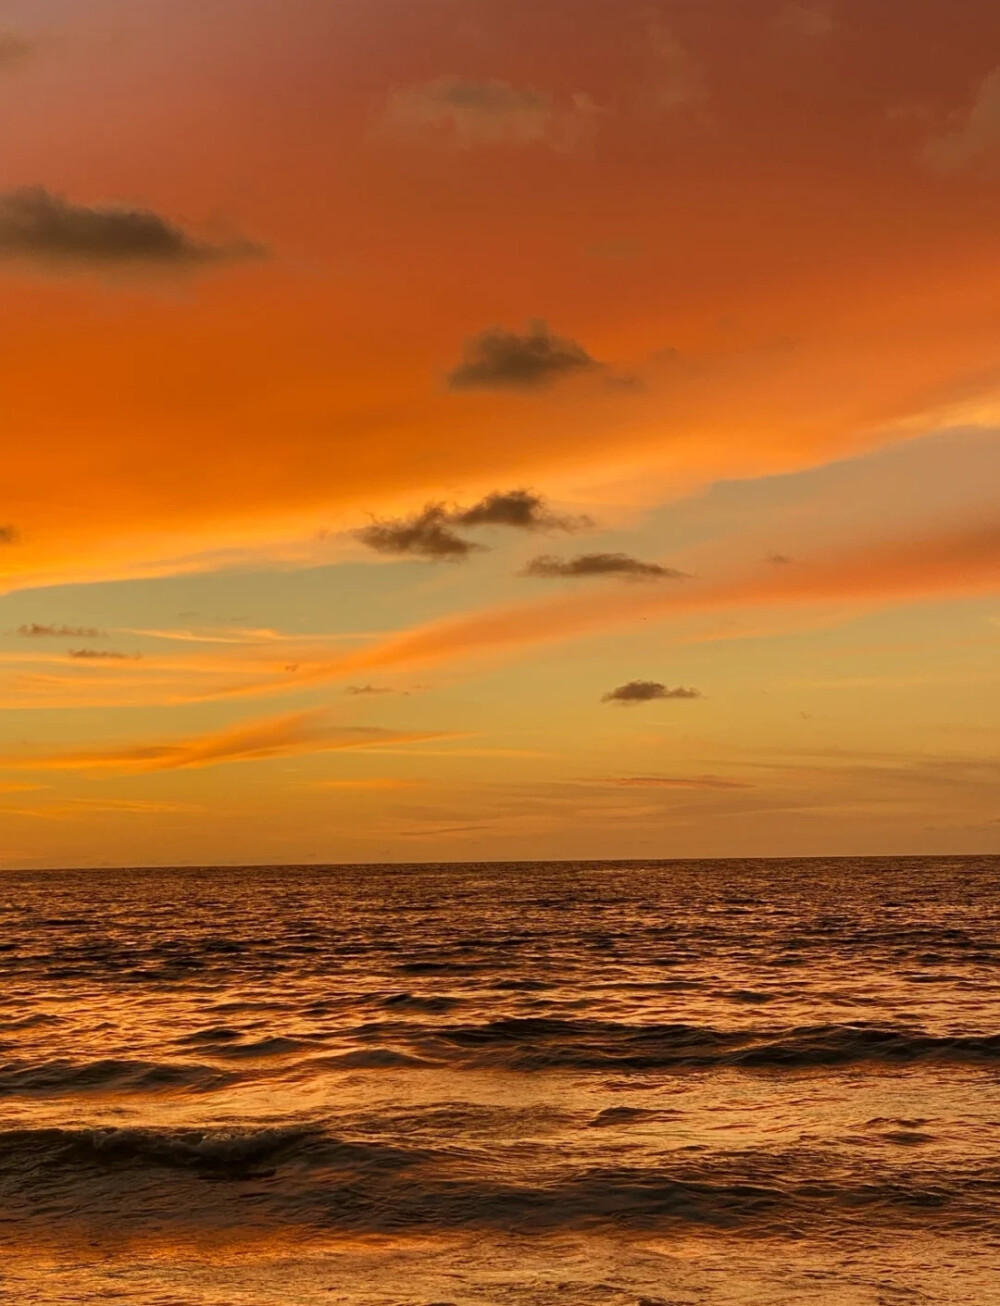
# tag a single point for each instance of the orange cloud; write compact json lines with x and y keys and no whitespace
{"x":963,"y":562}
{"x":281,"y":736}
{"x":312,"y":387}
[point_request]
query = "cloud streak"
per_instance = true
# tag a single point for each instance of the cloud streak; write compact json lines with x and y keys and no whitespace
{"x":945,"y":564}
{"x":280,"y":736}
{"x":469,"y":114}
{"x":37,"y":630}
{"x":47,"y":230}
{"x":585,"y":565}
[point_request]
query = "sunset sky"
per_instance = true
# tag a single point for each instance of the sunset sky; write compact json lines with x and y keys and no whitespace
{"x":481,"y":429}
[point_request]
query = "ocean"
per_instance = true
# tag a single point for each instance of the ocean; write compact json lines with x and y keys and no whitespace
{"x":652,"y":1084}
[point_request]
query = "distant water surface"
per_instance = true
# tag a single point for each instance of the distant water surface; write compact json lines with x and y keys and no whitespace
{"x":662,"y":1084}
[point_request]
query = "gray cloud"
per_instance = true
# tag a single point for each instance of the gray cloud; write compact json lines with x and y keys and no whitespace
{"x":431,"y":534}
{"x":8,"y":535}
{"x":779,"y":559}
{"x":427,"y":534}
{"x":356,"y":690}
{"x":470,"y":114}
{"x":35,"y":630}
{"x":548,"y":567}
{"x":42,"y":228}
{"x":646,"y":691}
{"x":497,"y":359}
{"x":14,"y":49}
{"x":519,"y":509}
{"x":89,"y":654}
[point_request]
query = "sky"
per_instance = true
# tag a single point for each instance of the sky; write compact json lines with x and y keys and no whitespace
{"x":444,"y":430}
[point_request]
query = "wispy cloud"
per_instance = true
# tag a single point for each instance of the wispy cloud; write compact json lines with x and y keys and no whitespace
{"x":35,"y":630}
{"x":14,"y":49}
{"x":943,"y":564}
{"x":99,"y":654}
{"x":280,"y":736}
{"x":671,"y":782}
{"x":971,"y":137}
{"x":467,"y":113}
{"x":812,"y":20}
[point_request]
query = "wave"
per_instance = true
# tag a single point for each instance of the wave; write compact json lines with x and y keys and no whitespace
{"x":518,"y":1045}
{"x":110,"y":1074}
{"x":542,"y":1043}
{"x":305,"y":1176}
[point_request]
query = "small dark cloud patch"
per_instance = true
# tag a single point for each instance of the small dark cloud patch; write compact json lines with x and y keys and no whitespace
{"x":548,"y":567}
{"x":497,"y":359}
{"x":431,"y":533}
{"x":428,"y":534}
{"x":367,"y":689}
{"x":36,"y":630}
{"x":8,"y":535}
{"x":14,"y":49}
{"x":778,"y":559}
{"x":40,"y":227}
{"x":519,"y":509}
{"x":101,"y":654}
{"x":646,"y":691}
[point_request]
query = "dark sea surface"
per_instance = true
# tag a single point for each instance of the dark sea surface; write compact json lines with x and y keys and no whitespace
{"x":666,"y":1084}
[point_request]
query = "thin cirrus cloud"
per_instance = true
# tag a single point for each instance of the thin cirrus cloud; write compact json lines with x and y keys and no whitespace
{"x":43,"y":229}
{"x":99,"y":654}
{"x":430,"y":534}
{"x":713,"y":782}
{"x":533,"y":359}
{"x":622,"y":565}
{"x":40,"y":630}
{"x":14,"y":49}
{"x":976,"y":136}
{"x":939,"y":564}
{"x":281,"y":736}
{"x":467,"y":113}
{"x":809,"y":20}
{"x":634,"y":692}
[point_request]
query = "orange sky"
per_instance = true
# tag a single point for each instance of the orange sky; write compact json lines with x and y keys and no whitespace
{"x":246,"y":250}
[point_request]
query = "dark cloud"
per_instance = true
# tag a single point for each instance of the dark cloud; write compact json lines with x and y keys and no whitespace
{"x":548,"y":567}
{"x":519,"y":509}
{"x":646,"y":691}
{"x":428,"y":534}
{"x":8,"y":534}
{"x":40,"y":227}
{"x":367,"y":689}
{"x":37,"y":631}
{"x":498,"y":359}
{"x":88,"y":654}
{"x":778,"y":559}
{"x":14,"y":49}
{"x":431,"y":533}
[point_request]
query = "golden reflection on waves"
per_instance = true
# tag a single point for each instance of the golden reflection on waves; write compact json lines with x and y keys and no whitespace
{"x":698,"y":1083}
